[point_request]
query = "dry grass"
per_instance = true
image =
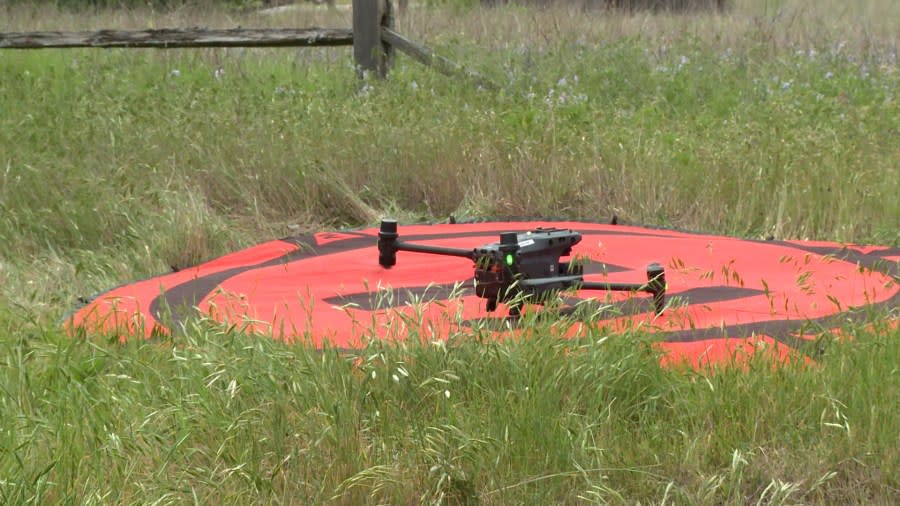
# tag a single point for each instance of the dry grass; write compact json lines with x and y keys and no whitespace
{"x":860,"y":27}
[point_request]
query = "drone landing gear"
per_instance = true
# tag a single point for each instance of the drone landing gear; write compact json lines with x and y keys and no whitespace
{"x":515,"y":309}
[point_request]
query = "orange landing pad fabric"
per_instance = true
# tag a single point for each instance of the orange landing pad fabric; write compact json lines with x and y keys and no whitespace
{"x":724,"y":294}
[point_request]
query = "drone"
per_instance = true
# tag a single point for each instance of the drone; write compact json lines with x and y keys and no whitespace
{"x":522,"y":267}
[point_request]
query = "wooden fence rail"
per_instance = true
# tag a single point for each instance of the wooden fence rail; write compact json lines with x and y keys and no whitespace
{"x":426,"y":56}
{"x":181,"y":37}
{"x":372,"y":37}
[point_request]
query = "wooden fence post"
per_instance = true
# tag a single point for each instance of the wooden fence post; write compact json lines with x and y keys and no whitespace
{"x":370,"y":53}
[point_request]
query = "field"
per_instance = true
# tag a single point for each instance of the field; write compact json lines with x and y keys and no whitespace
{"x":774,"y":119}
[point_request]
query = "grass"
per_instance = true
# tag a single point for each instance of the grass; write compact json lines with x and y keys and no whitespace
{"x":777,"y":118}
{"x":220,"y":417}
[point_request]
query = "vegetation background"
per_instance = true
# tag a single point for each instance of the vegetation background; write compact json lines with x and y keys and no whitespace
{"x":771,"y":118}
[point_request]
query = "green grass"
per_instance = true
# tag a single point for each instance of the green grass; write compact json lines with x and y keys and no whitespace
{"x":118,"y":164}
{"x":219,"y":417}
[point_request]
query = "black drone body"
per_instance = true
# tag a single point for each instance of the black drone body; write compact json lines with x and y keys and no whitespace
{"x":522,"y":267}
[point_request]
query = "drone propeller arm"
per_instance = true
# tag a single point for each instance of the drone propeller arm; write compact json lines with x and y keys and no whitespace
{"x":655,"y":285}
{"x":614,"y":287}
{"x":558,"y":281}
{"x":436,"y":250}
{"x":389,"y":244}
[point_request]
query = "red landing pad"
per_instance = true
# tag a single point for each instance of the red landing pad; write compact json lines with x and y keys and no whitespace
{"x":725,"y":295}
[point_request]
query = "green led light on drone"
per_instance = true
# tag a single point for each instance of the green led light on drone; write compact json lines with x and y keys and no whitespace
{"x":509,"y":259}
